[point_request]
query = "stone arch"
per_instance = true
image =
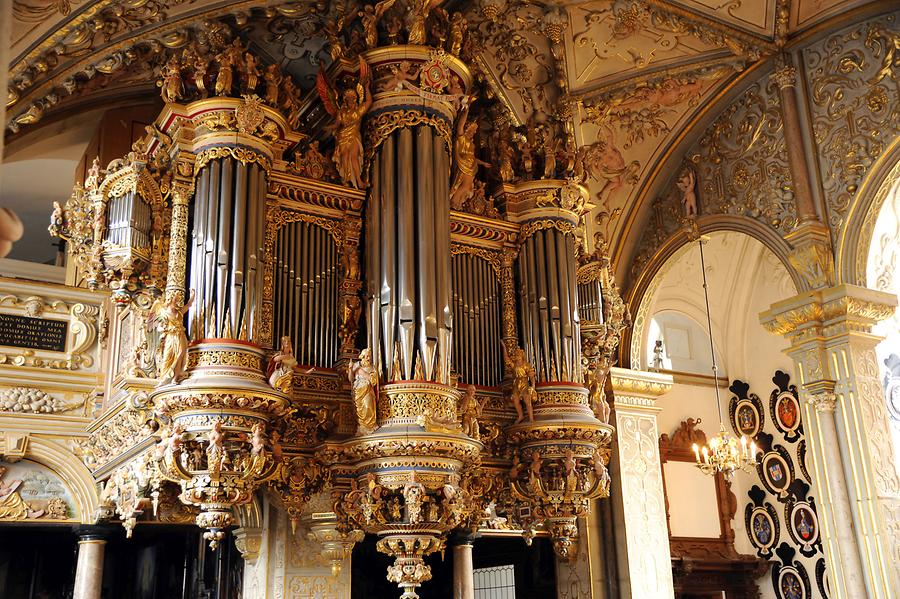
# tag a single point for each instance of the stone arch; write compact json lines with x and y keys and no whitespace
{"x":641,"y":293}
{"x":71,"y":470}
{"x":853,"y":241}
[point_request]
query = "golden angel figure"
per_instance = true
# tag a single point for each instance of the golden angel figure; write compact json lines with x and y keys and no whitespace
{"x":524,"y":381}
{"x":281,"y":367}
{"x":168,"y":317}
{"x":348,"y":112}
{"x":364,"y":383}
{"x":464,"y":160}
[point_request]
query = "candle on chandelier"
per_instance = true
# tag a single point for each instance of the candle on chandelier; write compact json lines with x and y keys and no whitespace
{"x":696,"y":452}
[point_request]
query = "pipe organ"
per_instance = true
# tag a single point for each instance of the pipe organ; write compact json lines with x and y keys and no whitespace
{"x":340,"y":323}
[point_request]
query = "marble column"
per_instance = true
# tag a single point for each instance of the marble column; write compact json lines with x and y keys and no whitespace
{"x":851,"y":448}
{"x":89,"y":569}
{"x":463,"y":570}
{"x":638,"y":496}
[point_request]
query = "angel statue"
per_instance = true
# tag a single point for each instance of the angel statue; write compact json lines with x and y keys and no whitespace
{"x":523,"y":382}
{"x":364,"y":384}
{"x":168,"y":317}
{"x":281,"y":367}
{"x":464,"y":160}
{"x":471,"y":411}
{"x":348,"y":112}
{"x":370,"y":16}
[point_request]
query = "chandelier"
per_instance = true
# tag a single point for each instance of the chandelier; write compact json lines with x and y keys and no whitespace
{"x":723,"y":453}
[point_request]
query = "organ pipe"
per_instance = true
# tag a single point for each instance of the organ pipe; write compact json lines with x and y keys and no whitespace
{"x":306,"y":292}
{"x":229,"y":220}
{"x":477,"y":356}
{"x":408,"y":249}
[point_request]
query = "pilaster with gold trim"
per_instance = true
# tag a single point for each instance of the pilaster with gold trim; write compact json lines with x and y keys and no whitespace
{"x":645,"y":562}
{"x":833,"y":350}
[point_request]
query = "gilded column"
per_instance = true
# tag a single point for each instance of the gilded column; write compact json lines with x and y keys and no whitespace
{"x":812,"y":255}
{"x":89,"y":568}
{"x":851,"y":446}
{"x":508,"y":289}
{"x":178,"y":244}
{"x":645,"y":563}
{"x":463,"y":570}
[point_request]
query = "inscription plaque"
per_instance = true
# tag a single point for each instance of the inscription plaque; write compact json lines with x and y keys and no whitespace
{"x":33,"y":333}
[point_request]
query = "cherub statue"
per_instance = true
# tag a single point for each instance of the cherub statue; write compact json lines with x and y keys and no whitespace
{"x":464,"y":160}
{"x":350,"y":261}
{"x":597,"y":394}
{"x":516,"y":467}
{"x":272,"y":77}
{"x":225,"y":77}
{"x":364,"y":384}
{"x":170,"y":85}
{"x":416,"y":19}
{"x":258,"y":440}
{"x":458,"y":27}
{"x":370,"y":16}
{"x":168,"y":316}
{"x":687,"y":185}
{"x":281,"y":367}
{"x":524,"y":381}
{"x":471,"y":410}
{"x":348,"y":112}
{"x":251,"y":72}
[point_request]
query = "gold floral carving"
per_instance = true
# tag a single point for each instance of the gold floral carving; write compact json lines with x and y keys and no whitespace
{"x":855,"y":110}
{"x":494,"y":258}
{"x":241,"y":154}
{"x":381,"y":125}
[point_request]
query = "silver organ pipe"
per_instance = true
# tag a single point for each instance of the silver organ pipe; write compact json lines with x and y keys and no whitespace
{"x":590,"y":300}
{"x":228,"y":226}
{"x":306,"y":292}
{"x":549,"y":322}
{"x":477,"y":356}
{"x":408,"y":250}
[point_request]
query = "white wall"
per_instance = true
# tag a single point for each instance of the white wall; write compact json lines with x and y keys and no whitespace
{"x":744,"y":279}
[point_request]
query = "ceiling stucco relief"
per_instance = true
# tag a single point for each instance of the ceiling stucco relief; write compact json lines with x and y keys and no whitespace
{"x":514,"y":51}
{"x":33,"y":17}
{"x":855,"y":105}
{"x":625,"y":132}
{"x":806,"y":13}
{"x":612,"y":40}
{"x":738,"y":167}
{"x":755,"y":16}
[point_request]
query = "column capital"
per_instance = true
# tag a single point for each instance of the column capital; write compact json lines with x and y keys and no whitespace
{"x":823,"y":402}
{"x":95,"y":532}
{"x":858,"y":307}
{"x":784,"y":76}
{"x":638,"y":389}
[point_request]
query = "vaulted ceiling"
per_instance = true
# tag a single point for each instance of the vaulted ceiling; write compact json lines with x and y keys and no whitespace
{"x":635,"y":78}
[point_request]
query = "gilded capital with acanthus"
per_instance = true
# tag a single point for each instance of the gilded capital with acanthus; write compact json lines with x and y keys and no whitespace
{"x":784,"y":76}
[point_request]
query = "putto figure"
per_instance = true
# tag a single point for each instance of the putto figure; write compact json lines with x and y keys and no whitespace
{"x":348,"y":112}
{"x":524,"y":381}
{"x":281,"y":367}
{"x":168,"y":317}
{"x":364,"y":385}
